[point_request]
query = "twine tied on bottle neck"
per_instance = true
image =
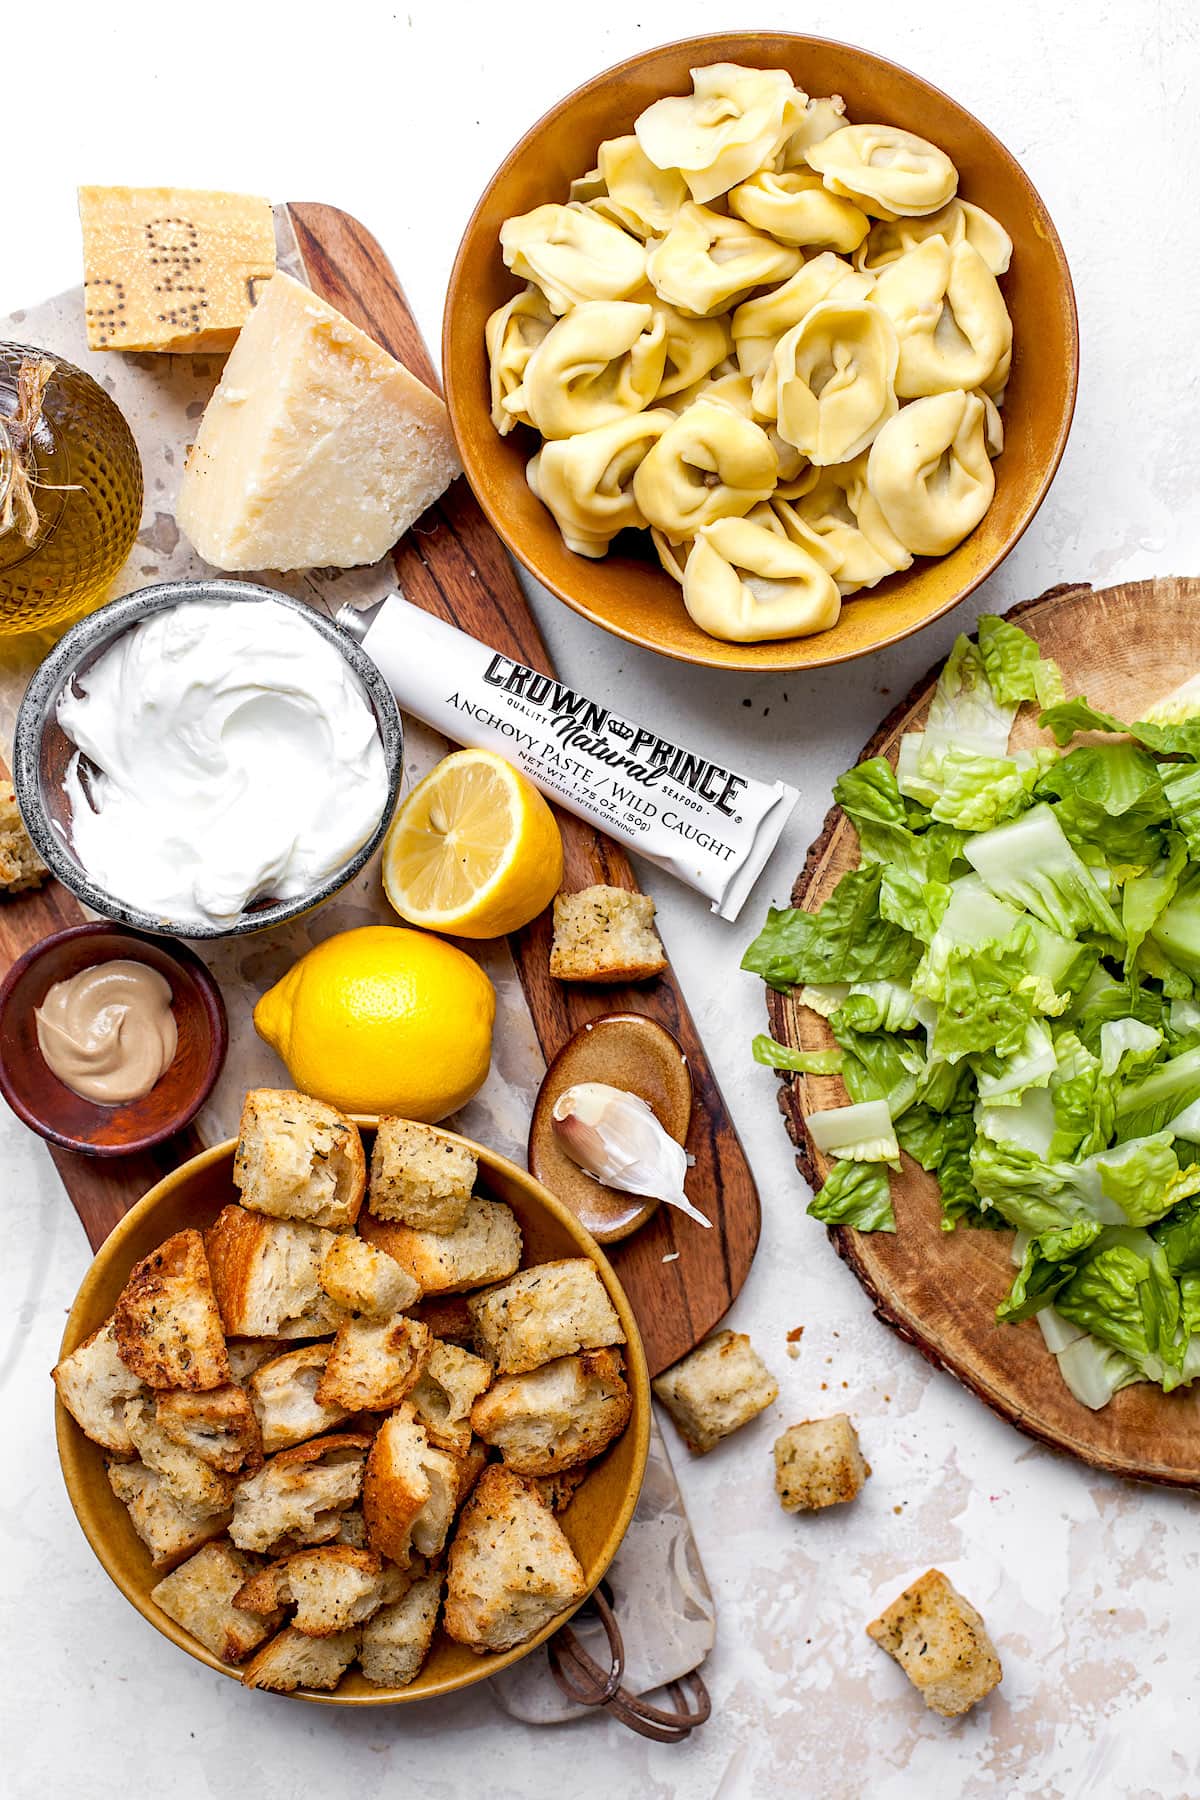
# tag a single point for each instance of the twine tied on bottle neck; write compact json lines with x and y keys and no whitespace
{"x":18,"y":463}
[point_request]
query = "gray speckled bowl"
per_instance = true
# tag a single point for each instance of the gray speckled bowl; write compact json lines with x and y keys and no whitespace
{"x":42,"y":750}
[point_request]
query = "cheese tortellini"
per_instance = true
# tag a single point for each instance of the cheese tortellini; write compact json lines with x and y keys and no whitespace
{"x":835,"y":375}
{"x":573,"y":254}
{"x":769,"y":337}
{"x":587,"y":481}
{"x":950,"y":318}
{"x":604,"y":359}
{"x":710,"y":463}
{"x":733,"y":122}
{"x":797,"y":208}
{"x":745,"y":582}
{"x":885,"y":170}
{"x":706,"y":262}
{"x":930,"y":471}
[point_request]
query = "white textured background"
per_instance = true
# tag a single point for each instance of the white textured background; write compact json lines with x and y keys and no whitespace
{"x":399,"y":115}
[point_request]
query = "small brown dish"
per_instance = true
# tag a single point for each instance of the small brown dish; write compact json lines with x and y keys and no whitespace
{"x":625,"y":1050}
{"x":51,"y":1109}
{"x":627,"y":592}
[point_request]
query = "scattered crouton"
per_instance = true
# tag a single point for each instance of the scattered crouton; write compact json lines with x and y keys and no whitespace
{"x":94,"y":1384}
{"x":187,"y":1479}
{"x":510,"y":1570}
{"x":300,"y":1493}
{"x":485,"y":1247}
{"x":168,"y":1530}
{"x":558,"y":1491}
{"x":716,"y":1389}
{"x":395,"y":1642}
{"x":941,"y":1643}
{"x":332,"y":1588}
{"x":419,"y":1177}
{"x":266,"y":1275}
{"x":166,"y":1322}
{"x":199,"y":1596}
{"x":450,"y":1384}
{"x":556,"y":1416}
{"x":410,"y":1491}
{"x":550,"y":1310}
{"x":217,"y":1425}
{"x":298,"y":1158}
{"x":374,"y":1363}
{"x":605,"y":934}
{"x":292,"y":1661}
{"x":20,"y":865}
{"x":818,"y":1463}
{"x":283,"y":1393}
{"x":362,"y":1279}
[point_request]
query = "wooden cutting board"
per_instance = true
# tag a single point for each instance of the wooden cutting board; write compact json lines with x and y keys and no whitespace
{"x":1123,"y":648}
{"x":454,"y":565}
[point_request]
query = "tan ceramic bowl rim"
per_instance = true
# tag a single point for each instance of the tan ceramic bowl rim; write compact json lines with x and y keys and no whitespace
{"x":74,"y":1447}
{"x":458,"y":403}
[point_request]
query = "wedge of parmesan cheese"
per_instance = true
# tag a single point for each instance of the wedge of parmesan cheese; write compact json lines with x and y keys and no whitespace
{"x":172,"y":269}
{"x":317,"y":450}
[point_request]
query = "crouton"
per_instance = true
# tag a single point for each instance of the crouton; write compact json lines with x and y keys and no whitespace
{"x":217,"y":1425}
{"x":558,"y":1491}
{"x":374,"y":1363}
{"x":352,"y":1530}
{"x":94,"y":1384}
{"x":450,"y":1384}
{"x":199,"y":1596}
{"x":283,"y":1393}
{"x":300,"y":1493}
{"x":448,"y":1316}
{"x":168,"y":1530}
{"x":332,"y":1588}
{"x":556,"y":1416}
{"x":485,"y":1247}
{"x":718,"y":1388}
{"x":362,"y":1279}
{"x":510,"y":1570}
{"x":470,"y":1466}
{"x":395,"y":1642}
{"x":818,"y":1463}
{"x":292,"y":1661}
{"x":298,"y":1158}
{"x":419,"y":1177}
{"x":410,"y":1491}
{"x":605,"y":934}
{"x":20,"y":865}
{"x":266,"y":1275}
{"x":189,"y":1481}
{"x":167,"y":1326}
{"x":550,"y":1310}
{"x":248,"y":1354}
{"x":941,"y":1643}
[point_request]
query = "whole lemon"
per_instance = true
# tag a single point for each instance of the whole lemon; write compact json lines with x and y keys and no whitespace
{"x":383,"y":1020}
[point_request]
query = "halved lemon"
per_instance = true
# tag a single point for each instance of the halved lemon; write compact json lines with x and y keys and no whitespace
{"x":474,"y":850}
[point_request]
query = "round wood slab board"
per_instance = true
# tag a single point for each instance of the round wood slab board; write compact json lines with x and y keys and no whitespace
{"x":1123,"y":648}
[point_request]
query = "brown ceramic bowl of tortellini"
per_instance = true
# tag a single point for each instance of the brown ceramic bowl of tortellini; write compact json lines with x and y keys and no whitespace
{"x":760,"y":351}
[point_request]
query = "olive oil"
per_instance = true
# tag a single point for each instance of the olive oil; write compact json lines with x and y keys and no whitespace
{"x":70,"y":490}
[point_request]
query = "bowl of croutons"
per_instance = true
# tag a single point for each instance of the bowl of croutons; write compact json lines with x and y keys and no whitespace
{"x":352,"y":1408}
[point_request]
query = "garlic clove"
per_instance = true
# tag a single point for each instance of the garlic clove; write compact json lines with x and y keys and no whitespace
{"x":614,"y":1136}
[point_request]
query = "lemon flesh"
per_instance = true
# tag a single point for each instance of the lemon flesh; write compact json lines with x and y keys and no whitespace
{"x":473,"y":850}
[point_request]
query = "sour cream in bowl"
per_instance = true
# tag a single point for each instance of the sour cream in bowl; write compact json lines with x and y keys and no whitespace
{"x":206,"y":758}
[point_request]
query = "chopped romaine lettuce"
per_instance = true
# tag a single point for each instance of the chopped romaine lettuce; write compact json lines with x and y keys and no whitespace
{"x":860,"y":1133}
{"x":803,"y":1062}
{"x":855,"y":1194}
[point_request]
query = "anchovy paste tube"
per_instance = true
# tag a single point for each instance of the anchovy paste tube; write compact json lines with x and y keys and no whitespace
{"x":703,"y":823}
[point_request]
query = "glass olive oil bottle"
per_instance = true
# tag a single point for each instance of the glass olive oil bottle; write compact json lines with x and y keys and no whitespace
{"x":70,"y":490}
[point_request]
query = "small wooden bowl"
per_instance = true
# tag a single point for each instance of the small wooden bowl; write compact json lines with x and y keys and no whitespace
{"x":625,"y":1050}
{"x":51,"y":1109}
{"x":595,"y":1521}
{"x":626,"y":592}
